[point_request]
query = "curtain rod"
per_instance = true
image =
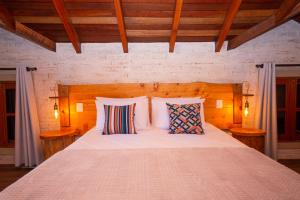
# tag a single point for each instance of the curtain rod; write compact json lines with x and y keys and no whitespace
{"x":12,"y":69}
{"x":280,"y":65}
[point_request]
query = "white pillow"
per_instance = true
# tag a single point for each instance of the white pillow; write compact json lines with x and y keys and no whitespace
{"x":141,"y":118}
{"x":160,"y":114}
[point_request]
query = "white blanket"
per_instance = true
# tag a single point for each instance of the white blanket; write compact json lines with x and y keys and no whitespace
{"x":154,"y":165}
{"x":157,"y":174}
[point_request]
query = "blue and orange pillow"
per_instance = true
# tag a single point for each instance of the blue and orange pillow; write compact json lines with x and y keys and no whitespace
{"x":185,"y":118}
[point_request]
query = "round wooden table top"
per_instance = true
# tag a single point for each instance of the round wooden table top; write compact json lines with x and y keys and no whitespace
{"x":248,"y":132}
{"x":58,"y":133}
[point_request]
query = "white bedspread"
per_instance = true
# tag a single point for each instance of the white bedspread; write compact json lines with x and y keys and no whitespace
{"x":157,"y":174}
{"x":156,"y":138}
{"x":155,"y":165}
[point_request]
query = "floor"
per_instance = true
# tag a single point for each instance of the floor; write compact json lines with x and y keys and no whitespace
{"x":292,"y":164}
{"x":9,"y":174}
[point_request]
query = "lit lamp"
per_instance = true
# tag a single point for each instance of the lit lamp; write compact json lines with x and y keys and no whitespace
{"x":55,"y":110}
{"x":246,"y":108}
{"x":55,"y":107}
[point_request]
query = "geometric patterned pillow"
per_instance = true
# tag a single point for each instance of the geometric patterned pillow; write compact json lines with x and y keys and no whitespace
{"x":119,"y":119}
{"x":185,"y":119}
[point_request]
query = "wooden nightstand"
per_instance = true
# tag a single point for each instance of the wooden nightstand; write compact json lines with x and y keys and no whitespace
{"x":54,"y":141}
{"x":254,"y":138}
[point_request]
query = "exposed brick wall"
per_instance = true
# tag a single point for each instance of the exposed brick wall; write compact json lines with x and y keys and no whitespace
{"x":106,"y":63}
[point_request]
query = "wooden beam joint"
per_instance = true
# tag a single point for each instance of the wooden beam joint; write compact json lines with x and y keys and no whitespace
{"x":287,"y":9}
{"x":6,"y":17}
{"x":8,"y":23}
{"x":294,"y":13}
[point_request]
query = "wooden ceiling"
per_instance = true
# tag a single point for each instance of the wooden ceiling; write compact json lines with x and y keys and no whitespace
{"x":47,"y":22}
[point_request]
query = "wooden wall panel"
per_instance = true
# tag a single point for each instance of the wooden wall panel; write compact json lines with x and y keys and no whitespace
{"x":222,"y":118}
{"x":64,"y":108}
{"x":238,"y":104}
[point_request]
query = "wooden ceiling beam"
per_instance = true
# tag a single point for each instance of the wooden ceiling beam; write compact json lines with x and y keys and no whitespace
{"x":175,"y":25}
{"x":6,"y":17}
{"x":8,"y":23}
{"x":295,"y":12}
{"x":31,"y":35}
{"x":275,"y":20}
{"x":35,"y":37}
{"x":228,"y":21}
{"x":70,"y":30}
{"x":121,"y":26}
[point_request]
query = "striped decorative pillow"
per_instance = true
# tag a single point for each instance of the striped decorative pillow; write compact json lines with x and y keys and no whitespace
{"x":119,"y":119}
{"x":185,"y":118}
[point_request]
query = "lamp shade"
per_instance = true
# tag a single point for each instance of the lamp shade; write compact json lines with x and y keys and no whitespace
{"x":79,"y":107}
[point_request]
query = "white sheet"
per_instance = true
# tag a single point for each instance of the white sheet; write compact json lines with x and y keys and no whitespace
{"x":156,"y":138}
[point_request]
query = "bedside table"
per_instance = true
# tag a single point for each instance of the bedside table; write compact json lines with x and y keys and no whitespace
{"x":254,"y":138}
{"x":54,"y":141}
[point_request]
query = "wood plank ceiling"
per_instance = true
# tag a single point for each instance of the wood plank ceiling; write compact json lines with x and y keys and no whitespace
{"x":103,"y":21}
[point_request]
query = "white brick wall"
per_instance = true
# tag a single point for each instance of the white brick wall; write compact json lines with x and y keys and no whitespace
{"x":106,"y":63}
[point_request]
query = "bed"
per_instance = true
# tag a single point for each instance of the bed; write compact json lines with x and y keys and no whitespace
{"x":155,"y":165}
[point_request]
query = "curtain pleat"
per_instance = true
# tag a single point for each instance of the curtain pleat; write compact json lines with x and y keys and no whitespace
{"x":266,"y":113}
{"x":28,"y":150}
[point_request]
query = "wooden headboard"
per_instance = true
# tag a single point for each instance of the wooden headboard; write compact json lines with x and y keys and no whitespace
{"x":228,"y":116}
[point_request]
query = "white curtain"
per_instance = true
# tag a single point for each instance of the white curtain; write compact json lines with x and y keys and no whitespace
{"x":266,"y":114}
{"x":27,"y":130}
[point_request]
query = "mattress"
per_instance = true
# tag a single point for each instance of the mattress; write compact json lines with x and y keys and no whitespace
{"x":153,"y":165}
{"x":156,"y":138}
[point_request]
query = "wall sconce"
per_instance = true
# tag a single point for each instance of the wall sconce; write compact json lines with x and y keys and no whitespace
{"x":246,"y":107}
{"x":79,"y":107}
{"x":55,"y":107}
{"x":55,"y":110}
